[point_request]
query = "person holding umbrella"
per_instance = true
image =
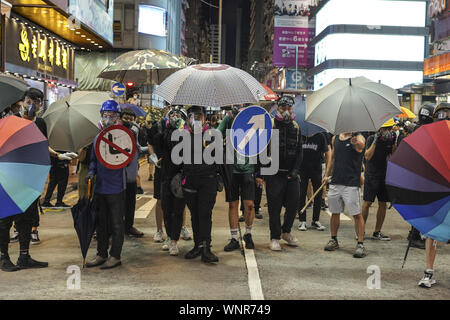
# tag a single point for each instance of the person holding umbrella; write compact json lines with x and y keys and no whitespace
{"x":379,"y":147}
{"x":345,"y":172}
{"x":109,"y":191}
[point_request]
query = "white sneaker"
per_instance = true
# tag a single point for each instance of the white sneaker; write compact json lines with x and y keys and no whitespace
{"x":185,"y":234}
{"x":302,"y":226}
{"x":428,"y":280}
{"x":275,"y":245}
{"x":317,"y":225}
{"x":159,"y":236}
{"x":166,"y":245}
{"x":290,"y":239}
{"x":173,"y":249}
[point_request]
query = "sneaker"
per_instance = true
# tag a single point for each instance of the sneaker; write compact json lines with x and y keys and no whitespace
{"x":323,"y":205}
{"x":47,"y":205}
{"x":428,"y":279}
{"x":26,"y":262}
{"x":139,"y":191}
{"x":258,"y":214}
{"x":317,"y":225}
{"x":249,"y":241}
{"x":159,"y":236}
{"x":275,"y":245}
{"x":133,"y":232}
{"x":173,"y":249}
{"x":7,"y":266}
{"x":232,"y":245}
{"x":241,"y":218}
{"x":360,"y":251}
{"x":302,"y":226}
{"x":166,"y":245}
{"x":379,"y":236}
{"x":332,"y":245}
{"x":61,"y":205}
{"x":35,"y":237}
{"x":15,"y":237}
{"x":290,"y":239}
{"x":419,"y":244}
{"x":185,"y":234}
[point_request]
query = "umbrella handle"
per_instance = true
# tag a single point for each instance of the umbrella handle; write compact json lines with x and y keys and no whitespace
{"x":89,"y":188}
{"x":84,"y":263}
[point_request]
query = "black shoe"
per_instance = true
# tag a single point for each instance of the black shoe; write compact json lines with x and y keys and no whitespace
{"x":323,"y":205}
{"x":258,"y":214}
{"x":233,"y":245}
{"x":194,"y":253}
{"x":242,"y":218}
{"x":207,"y":255}
{"x":47,"y":204}
{"x":419,"y":244}
{"x":249,"y":241}
{"x":26,"y":262}
{"x":61,"y":205}
{"x":133,"y":232}
{"x":7,"y":266}
{"x":140,"y":191}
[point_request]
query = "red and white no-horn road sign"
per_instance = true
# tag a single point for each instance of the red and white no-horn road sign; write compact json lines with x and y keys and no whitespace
{"x":115,"y":147}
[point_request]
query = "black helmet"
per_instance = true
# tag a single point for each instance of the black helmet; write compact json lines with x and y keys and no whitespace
{"x":442,"y":112}
{"x":426,"y":113}
{"x":286,"y":100}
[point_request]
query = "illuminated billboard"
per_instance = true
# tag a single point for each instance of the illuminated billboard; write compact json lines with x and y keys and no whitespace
{"x":152,"y":20}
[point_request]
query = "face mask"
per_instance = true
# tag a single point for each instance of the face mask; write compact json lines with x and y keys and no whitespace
{"x":108,"y":121}
{"x":31,"y":111}
{"x":127,"y":124}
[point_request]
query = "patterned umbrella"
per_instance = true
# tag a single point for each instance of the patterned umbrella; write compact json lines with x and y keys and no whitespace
{"x":12,"y":90}
{"x":211,"y":85}
{"x":24,"y":165}
{"x":418,"y":180}
{"x":143,"y":66}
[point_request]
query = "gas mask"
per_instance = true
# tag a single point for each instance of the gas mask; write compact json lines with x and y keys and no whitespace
{"x":109,"y":120}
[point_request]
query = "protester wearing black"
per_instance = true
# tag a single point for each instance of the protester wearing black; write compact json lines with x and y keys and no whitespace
{"x":314,"y":148}
{"x":200,"y":190}
{"x":59,"y":176}
{"x":283,"y":188}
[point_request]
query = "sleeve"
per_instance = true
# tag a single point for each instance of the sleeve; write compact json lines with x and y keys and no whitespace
{"x":93,"y":161}
{"x":324,"y":143}
{"x":223,"y":125}
{"x":299,"y":156}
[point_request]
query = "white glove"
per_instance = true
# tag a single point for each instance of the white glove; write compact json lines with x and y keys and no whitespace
{"x":72,"y":155}
{"x":153,"y":158}
{"x":64,"y":157}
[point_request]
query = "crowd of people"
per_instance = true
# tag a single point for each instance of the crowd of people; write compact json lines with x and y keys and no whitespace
{"x":318,"y":166}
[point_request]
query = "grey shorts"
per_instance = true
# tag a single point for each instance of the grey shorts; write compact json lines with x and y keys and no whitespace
{"x":339,"y":195}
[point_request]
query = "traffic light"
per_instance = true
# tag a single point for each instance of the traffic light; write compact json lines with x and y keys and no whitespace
{"x":131,"y":89}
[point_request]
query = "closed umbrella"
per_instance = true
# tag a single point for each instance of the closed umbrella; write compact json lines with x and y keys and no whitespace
{"x":211,"y":85}
{"x":143,"y":66}
{"x":351,"y":105}
{"x":72,"y":122}
{"x":12,"y":90}
{"x":24,"y":165}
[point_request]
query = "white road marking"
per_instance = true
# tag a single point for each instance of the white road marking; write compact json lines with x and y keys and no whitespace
{"x":343,"y":216}
{"x":145,"y":210}
{"x":254,"y":282}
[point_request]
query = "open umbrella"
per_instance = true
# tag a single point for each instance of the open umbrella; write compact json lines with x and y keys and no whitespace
{"x":418,"y":180}
{"x":84,"y":215}
{"x":307,"y":129}
{"x":137,"y":111}
{"x":406,"y":114}
{"x":72,"y":122}
{"x":270,"y":96}
{"x":353,"y":104}
{"x":12,"y":90}
{"x":210,"y":85}
{"x":24,"y":165}
{"x":143,"y":66}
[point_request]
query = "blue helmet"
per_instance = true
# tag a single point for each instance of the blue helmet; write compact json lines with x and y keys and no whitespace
{"x":110,"y":105}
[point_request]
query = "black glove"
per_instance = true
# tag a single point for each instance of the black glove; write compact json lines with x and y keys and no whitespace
{"x":89,"y":177}
{"x":293,"y":174}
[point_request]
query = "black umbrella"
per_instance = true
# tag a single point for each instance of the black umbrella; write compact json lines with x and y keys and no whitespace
{"x":83,"y":214}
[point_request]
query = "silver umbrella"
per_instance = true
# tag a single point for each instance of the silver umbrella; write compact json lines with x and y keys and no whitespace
{"x":352,"y":104}
{"x":211,"y":85}
{"x":72,"y":122}
{"x":12,"y":90}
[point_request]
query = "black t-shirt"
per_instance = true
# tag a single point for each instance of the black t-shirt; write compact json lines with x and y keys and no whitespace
{"x":347,"y":164}
{"x":377,"y":165}
{"x":313,"y":149}
{"x":40,"y":123}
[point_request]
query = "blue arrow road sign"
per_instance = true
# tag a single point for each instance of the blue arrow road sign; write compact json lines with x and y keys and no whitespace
{"x":251,"y":131}
{"x":118,"y":89}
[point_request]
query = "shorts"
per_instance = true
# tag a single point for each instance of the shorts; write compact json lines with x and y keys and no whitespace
{"x":242,"y":184}
{"x":157,"y":184}
{"x":375,"y":187}
{"x":339,"y":195}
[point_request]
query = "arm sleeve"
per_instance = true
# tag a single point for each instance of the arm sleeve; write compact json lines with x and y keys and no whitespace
{"x":93,"y":161}
{"x":299,"y":156}
{"x":369,"y":141}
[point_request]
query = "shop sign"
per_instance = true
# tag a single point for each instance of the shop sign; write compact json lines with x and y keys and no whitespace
{"x":437,"y":64}
{"x":437,"y":7}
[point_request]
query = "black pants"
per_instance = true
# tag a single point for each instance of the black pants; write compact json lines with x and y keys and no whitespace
{"x":110,"y":212}
{"x":23,"y":224}
{"x":281,"y":191}
{"x":200,"y":194}
{"x":173,"y":209}
{"x":59,"y":176}
{"x":130,"y":204}
{"x":316,"y":181}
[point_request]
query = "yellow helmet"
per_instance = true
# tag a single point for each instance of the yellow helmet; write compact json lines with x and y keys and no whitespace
{"x":389,"y":123}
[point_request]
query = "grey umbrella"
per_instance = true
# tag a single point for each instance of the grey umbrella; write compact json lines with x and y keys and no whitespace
{"x":352,"y":104}
{"x":72,"y":122}
{"x":12,"y":90}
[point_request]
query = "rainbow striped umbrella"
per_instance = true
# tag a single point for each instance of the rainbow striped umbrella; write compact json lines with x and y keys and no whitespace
{"x":24,"y":164}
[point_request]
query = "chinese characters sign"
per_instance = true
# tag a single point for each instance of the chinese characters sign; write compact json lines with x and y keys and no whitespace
{"x":292,"y":34}
{"x":28,"y":48}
